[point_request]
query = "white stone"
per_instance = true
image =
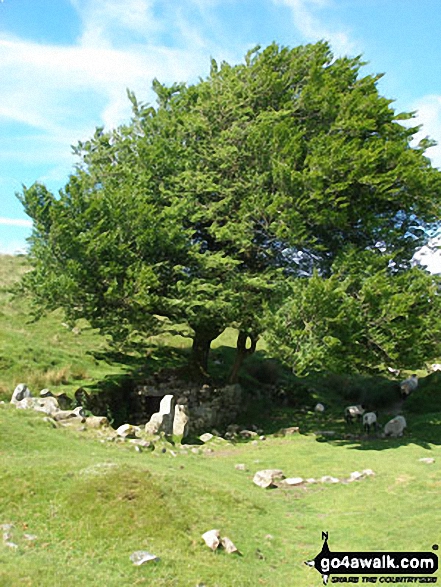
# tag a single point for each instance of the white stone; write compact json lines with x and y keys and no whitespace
{"x":228,"y":545}
{"x":48,"y":405}
{"x":142,"y":556}
{"x":293,"y":481}
{"x":181,"y":421}
{"x":206,"y":437}
{"x":128,"y":431}
{"x":427,"y":460}
{"x":355,"y":476}
{"x":20,"y":393}
{"x":266,"y":477}
{"x":329,"y":479}
{"x":212,"y":539}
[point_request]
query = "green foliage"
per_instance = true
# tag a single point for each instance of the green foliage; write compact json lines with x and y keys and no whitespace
{"x":199,"y":209}
{"x":365,"y":316}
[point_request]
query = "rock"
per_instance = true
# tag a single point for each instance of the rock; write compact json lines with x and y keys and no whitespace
{"x":367,"y":473}
{"x":142,"y":556}
{"x":97,"y":422}
{"x":206,"y":437}
{"x":240,"y":467}
{"x":128,"y":431}
{"x":26,"y":403}
{"x":247,"y":434}
{"x":48,"y":405}
{"x":329,"y":479}
{"x":266,"y":477}
{"x":212,"y":539}
{"x":311,"y":480}
{"x":20,"y":393}
{"x":228,"y":545}
{"x":162,"y":421}
{"x":355,"y":476}
{"x":181,"y":421}
{"x":67,"y":415}
{"x":288,"y":431}
{"x":292,"y":481}
{"x":427,"y":460}
{"x":46,"y":393}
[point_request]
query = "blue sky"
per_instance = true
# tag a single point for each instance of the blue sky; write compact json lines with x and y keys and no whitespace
{"x":65,"y":66}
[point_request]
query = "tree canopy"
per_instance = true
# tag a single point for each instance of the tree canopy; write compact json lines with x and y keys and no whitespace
{"x":203,"y":207}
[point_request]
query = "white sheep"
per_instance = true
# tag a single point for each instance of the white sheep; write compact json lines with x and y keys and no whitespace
{"x":408,"y":385}
{"x":369,"y":419}
{"x":435,"y":367}
{"x":319,"y":408}
{"x":395,"y":427}
{"x":353,"y":413}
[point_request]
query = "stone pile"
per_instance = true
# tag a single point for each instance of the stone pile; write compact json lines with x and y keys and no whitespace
{"x":269,"y":478}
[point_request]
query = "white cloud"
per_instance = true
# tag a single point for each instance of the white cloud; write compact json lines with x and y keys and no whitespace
{"x":15,"y":222}
{"x":429,"y":116}
{"x":311,"y":25}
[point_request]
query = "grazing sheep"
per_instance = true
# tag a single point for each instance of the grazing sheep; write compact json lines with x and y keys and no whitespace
{"x":395,"y":427}
{"x":435,"y":367}
{"x":354,"y":413}
{"x":319,"y":408}
{"x":369,"y":419}
{"x":408,"y":386}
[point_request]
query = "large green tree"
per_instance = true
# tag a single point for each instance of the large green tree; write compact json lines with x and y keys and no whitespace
{"x":203,"y":206}
{"x":366,"y":316}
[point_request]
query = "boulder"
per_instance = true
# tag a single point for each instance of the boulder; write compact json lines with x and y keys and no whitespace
{"x":20,"y":393}
{"x":128,"y":431}
{"x":212,"y":539}
{"x":142,"y":556}
{"x":97,"y":422}
{"x":162,"y":421}
{"x":181,"y":421}
{"x":267,"y":477}
{"x":47,"y":404}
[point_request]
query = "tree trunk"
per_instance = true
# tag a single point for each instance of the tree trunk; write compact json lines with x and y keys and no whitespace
{"x":242,"y":353}
{"x":200,"y":350}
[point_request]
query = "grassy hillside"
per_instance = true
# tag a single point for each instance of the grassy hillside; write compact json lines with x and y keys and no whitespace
{"x":90,"y":505}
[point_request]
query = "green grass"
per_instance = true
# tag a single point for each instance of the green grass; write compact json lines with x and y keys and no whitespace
{"x":92,"y":504}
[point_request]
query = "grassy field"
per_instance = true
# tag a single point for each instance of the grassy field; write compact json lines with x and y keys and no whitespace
{"x":79,"y":506}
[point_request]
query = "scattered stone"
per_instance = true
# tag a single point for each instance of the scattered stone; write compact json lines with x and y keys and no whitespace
{"x":247,"y":434}
{"x":228,"y":545}
{"x":128,"y":431}
{"x":206,"y":437}
{"x":367,"y":473}
{"x":20,"y":393}
{"x":262,"y":437}
{"x":212,"y":539}
{"x":181,"y":421}
{"x":162,"y":421}
{"x":67,"y":415}
{"x":30,"y":537}
{"x":196,"y":451}
{"x":267,"y":477}
{"x":311,"y":480}
{"x":292,"y":481}
{"x":355,"y":476}
{"x":49,"y":405}
{"x":240,"y":467}
{"x":329,"y":479}
{"x":142,"y":556}
{"x":97,"y":422}
{"x":427,"y":460}
{"x":288,"y":431}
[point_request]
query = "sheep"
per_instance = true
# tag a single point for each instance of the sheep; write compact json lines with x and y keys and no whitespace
{"x":354,"y":413}
{"x":408,"y":386}
{"x":319,"y":408}
{"x":395,"y":427}
{"x":435,"y":367}
{"x":369,"y":419}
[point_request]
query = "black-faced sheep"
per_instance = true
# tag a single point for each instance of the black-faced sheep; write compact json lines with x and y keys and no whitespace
{"x":369,"y":420}
{"x":408,"y":386}
{"x":354,"y":413}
